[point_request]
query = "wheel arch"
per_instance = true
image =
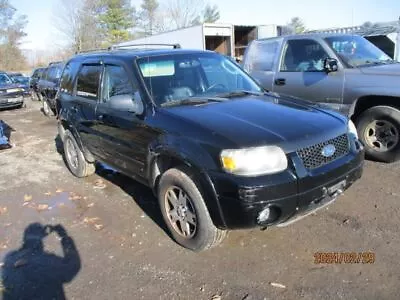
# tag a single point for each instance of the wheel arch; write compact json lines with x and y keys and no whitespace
{"x":365,"y":102}
{"x":166,"y":159}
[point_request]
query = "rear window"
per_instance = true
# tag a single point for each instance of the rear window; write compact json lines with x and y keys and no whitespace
{"x":261,"y":55}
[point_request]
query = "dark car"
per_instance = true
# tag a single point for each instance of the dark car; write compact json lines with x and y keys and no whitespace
{"x":48,"y":86}
{"x":218,"y":151}
{"x":37,"y":73}
{"x":343,"y":72}
{"x":11,"y":93}
{"x":22,"y":81}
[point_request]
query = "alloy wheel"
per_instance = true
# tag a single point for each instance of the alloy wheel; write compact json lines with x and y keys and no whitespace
{"x":181,"y":212}
{"x":72,"y":154}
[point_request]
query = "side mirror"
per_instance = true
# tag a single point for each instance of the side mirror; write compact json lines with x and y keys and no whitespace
{"x":127,"y":103}
{"x":331,"y":65}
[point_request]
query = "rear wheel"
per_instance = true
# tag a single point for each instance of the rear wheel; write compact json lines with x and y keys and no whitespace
{"x":185,"y":212}
{"x":379,"y":130}
{"x":74,"y":157}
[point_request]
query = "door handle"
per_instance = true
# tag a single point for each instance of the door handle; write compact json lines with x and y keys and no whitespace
{"x":280,"y":81}
{"x":100,"y":117}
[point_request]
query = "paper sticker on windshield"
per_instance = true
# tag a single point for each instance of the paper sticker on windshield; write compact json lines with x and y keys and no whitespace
{"x":154,"y":69}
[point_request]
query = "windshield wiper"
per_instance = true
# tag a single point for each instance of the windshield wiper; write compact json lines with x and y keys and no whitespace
{"x":240,"y":93}
{"x":192,"y":100}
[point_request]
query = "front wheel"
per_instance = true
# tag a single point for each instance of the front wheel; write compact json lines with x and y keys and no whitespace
{"x":185,"y":212}
{"x":379,"y":130}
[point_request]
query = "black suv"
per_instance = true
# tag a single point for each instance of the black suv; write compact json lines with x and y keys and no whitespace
{"x":48,"y":86}
{"x":35,"y":77}
{"x":218,"y":151}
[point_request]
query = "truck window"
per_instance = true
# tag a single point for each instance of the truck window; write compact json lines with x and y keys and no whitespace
{"x":88,"y":81}
{"x":115,"y":83}
{"x":262,"y":55}
{"x":303,"y":56}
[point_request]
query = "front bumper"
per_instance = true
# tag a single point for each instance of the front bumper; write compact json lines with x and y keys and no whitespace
{"x":290,"y":195}
{"x":8,"y":102}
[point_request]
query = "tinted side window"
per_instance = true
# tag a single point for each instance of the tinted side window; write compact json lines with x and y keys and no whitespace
{"x":303,"y":56}
{"x":68,"y":77}
{"x":262,"y":55}
{"x":116,"y":82}
{"x":88,"y":81}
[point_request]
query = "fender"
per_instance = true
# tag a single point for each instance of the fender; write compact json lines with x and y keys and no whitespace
{"x":66,"y":126}
{"x":372,"y":92}
{"x":188,"y":152}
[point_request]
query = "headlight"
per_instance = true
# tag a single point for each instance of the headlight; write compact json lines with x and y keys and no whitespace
{"x":352,"y":129}
{"x":254,"y":161}
{"x":14,"y":90}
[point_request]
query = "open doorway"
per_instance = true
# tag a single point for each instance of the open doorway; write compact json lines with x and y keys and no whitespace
{"x":220,"y":44}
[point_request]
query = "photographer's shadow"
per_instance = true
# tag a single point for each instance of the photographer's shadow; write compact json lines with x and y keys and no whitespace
{"x":32,"y":273}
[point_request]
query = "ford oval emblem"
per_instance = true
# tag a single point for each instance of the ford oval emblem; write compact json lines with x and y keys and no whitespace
{"x":328,"y":150}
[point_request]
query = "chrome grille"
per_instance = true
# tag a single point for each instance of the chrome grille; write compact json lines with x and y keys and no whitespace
{"x":312,"y":156}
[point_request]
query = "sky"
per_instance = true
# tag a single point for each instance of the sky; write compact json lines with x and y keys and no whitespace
{"x":316,"y":14}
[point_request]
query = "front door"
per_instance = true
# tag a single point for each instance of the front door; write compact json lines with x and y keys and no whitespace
{"x":301,"y":74}
{"x":122,"y":133}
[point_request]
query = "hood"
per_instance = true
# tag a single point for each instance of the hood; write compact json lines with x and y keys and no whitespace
{"x":265,"y":120}
{"x":389,"y":69}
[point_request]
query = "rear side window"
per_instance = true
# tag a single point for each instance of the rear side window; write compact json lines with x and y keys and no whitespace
{"x":262,"y":55}
{"x":68,"y":76}
{"x":116,"y":82}
{"x":88,"y":81}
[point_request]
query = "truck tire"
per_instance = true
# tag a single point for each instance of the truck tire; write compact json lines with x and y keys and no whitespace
{"x":379,"y":129}
{"x":185,"y":212}
{"x":74,"y":157}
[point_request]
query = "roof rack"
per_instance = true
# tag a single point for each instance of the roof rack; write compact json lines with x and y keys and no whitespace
{"x":91,"y":50}
{"x":114,"y":47}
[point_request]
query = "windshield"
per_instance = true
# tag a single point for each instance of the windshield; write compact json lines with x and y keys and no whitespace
{"x":170,"y":78}
{"x":357,"y":51}
{"x":21,"y":79}
{"x":5,"y":79}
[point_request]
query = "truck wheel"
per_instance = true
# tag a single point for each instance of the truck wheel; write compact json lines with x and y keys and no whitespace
{"x":379,"y":130}
{"x":185,"y":212}
{"x":74,"y":157}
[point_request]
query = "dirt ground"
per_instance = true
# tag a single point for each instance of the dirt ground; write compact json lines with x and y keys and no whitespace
{"x":122,"y":250}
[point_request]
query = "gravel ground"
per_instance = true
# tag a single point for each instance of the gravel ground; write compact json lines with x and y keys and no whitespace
{"x":119,"y":249}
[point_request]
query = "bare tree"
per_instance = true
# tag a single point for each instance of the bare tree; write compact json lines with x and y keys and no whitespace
{"x":297,"y":25}
{"x":211,"y":14}
{"x":78,"y":21}
{"x":147,"y":16}
{"x":184,"y":13}
{"x":11,"y":32}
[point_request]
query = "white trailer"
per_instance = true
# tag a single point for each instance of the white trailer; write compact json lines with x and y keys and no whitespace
{"x":216,"y":37}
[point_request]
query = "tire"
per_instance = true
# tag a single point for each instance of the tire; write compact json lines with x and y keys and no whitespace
{"x":201,"y":236}
{"x":47,"y":111}
{"x":76,"y":162}
{"x":379,"y":129}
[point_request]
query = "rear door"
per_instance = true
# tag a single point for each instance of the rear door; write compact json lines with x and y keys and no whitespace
{"x":301,"y":73}
{"x":83,"y":105}
{"x":123,"y":135}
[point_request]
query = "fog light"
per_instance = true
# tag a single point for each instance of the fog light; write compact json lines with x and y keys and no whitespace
{"x":264,"y":215}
